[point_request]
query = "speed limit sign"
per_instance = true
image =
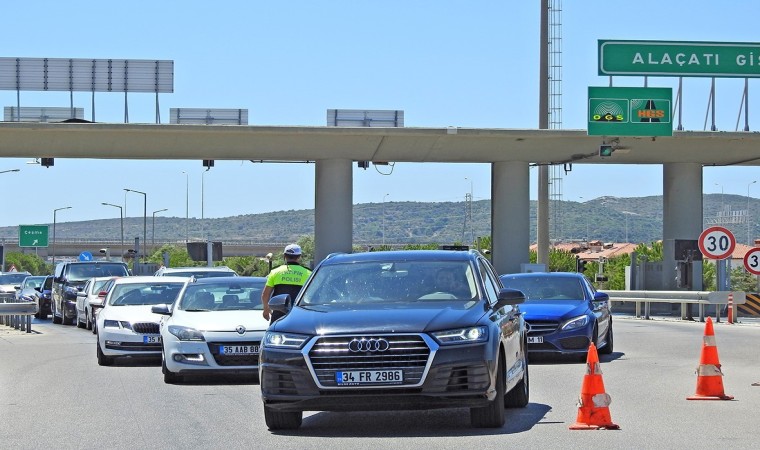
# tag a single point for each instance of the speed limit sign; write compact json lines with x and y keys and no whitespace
{"x":752,"y":261}
{"x":717,"y":243}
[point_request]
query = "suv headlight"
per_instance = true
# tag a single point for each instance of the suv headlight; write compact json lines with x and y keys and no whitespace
{"x":284,"y":340}
{"x":576,"y":322}
{"x":467,"y":335}
{"x":186,"y":333}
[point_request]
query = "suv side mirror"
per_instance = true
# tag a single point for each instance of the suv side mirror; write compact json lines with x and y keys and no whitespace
{"x":280,"y":303}
{"x":509,"y":296}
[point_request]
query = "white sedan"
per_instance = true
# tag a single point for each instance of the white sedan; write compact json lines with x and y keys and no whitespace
{"x":126,"y":326}
{"x":215,"y":327}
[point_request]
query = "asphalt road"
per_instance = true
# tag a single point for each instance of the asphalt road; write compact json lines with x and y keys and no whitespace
{"x":54,"y":395}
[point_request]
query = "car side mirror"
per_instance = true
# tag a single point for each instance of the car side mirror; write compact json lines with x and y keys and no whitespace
{"x":601,"y":301}
{"x":162,"y":309}
{"x":280,"y":303}
{"x":509,"y":296}
{"x":81,"y":294}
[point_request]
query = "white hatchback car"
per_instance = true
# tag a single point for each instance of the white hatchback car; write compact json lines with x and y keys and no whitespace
{"x":215,"y":327}
{"x":126,"y":326}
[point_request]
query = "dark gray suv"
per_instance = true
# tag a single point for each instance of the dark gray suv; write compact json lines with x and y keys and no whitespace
{"x":70,"y":278}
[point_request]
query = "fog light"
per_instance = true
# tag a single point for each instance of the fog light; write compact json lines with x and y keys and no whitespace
{"x":113,"y":342}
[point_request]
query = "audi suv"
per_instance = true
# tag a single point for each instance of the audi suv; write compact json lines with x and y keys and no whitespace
{"x":374,"y":331}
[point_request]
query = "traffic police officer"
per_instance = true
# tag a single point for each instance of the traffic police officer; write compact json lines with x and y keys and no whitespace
{"x":285,"y":279}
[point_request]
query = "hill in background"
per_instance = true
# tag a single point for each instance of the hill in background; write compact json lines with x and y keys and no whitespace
{"x":608,"y":219}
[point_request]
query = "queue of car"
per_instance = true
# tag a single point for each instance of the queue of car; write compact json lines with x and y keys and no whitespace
{"x":416,"y":329}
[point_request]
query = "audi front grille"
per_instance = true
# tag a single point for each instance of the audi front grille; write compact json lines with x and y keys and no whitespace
{"x":329,"y":355}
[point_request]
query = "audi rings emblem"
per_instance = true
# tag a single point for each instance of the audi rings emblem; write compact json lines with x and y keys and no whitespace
{"x":240,"y":329}
{"x":368,"y":345}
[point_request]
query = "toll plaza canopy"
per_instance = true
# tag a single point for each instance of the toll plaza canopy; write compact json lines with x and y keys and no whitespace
{"x":333,"y":149}
{"x":291,"y":143}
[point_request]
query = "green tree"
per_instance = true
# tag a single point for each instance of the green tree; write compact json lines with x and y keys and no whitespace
{"x":26,"y":262}
{"x":178,"y":256}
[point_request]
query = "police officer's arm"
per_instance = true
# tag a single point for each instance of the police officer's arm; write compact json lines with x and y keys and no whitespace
{"x":266,"y":294}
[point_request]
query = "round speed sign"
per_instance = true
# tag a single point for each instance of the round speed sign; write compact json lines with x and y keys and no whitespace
{"x":752,"y":261}
{"x":717,"y":243}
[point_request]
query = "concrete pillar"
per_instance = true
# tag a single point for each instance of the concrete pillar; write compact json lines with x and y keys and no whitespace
{"x":333,"y":207}
{"x":681,"y":216}
{"x":510,"y":216}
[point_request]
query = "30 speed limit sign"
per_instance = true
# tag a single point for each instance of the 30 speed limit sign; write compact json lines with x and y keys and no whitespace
{"x":752,"y":261}
{"x":717,"y":243}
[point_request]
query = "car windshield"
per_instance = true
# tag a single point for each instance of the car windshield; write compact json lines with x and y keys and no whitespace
{"x":34,"y":282}
{"x":542,"y":288}
{"x":201,"y":274}
{"x":148,"y":293}
{"x":13,"y":278}
{"x":391,"y":282}
{"x":83,"y":272}
{"x":223,"y":296}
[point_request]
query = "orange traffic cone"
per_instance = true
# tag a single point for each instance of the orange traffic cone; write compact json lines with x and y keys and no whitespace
{"x":709,"y":375}
{"x":593,"y":405}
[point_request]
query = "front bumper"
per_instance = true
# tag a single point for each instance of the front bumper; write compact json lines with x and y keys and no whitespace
{"x":207,"y":357}
{"x":556,"y":341}
{"x":454,"y":376}
{"x":123,"y":342}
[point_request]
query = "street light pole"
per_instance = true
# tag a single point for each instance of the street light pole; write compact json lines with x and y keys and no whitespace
{"x":384,"y":218}
{"x":187,"y":206}
{"x":145,"y":217}
{"x":203,"y":198}
{"x":121,"y":219}
{"x":10,"y":170}
{"x":153,"y":235}
{"x":55,"y":211}
{"x":749,"y":216}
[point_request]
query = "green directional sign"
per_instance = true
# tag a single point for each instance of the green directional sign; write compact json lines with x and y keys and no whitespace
{"x":679,"y":59}
{"x":630,"y":111}
{"x":33,"y":236}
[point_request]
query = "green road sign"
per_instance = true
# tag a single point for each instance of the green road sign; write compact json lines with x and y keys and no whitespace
{"x":32,"y":235}
{"x":627,"y":111}
{"x":679,"y":59}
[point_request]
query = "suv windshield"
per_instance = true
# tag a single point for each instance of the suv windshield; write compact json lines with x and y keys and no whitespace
{"x":391,"y":282}
{"x":83,"y":272}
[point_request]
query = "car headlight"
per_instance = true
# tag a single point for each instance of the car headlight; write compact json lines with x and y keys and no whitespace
{"x":284,"y":340}
{"x":117,"y":324}
{"x":576,"y":322}
{"x":186,"y":333}
{"x":467,"y":335}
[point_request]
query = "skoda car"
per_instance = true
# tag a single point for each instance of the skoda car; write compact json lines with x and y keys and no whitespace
{"x":565,"y":314}
{"x":125,"y":325}
{"x":374,"y":331}
{"x":215,"y":327}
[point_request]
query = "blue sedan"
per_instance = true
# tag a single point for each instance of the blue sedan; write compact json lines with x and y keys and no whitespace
{"x":565,"y":313}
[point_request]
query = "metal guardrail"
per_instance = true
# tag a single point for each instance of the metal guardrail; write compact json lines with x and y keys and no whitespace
{"x":17,"y":314}
{"x":701,"y":298}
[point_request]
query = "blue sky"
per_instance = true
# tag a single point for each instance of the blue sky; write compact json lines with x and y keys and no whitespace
{"x":445,"y":63}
